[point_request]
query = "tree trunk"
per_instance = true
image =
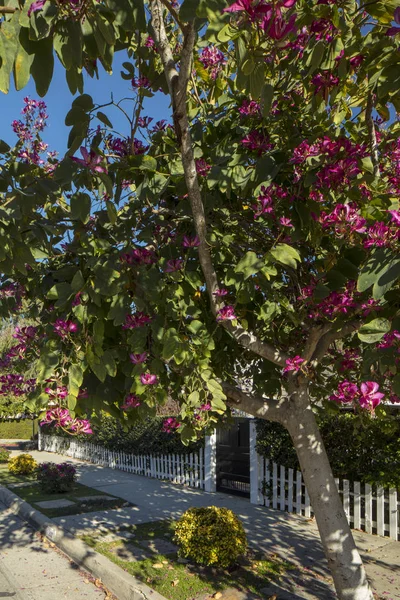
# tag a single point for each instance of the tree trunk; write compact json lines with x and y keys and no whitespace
{"x":343,"y":557}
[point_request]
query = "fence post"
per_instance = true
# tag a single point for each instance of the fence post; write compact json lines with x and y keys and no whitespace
{"x":210,"y":463}
{"x":40,"y":439}
{"x":254,"y":483}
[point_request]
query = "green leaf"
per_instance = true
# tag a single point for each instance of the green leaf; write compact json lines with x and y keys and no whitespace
{"x":80,"y":207}
{"x":396,"y":384}
{"x":23,"y":60}
{"x":75,"y":379}
{"x":382,"y":271}
{"x":374,"y":330}
{"x":316,"y":56}
{"x":188,"y":9}
{"x":77,"y":282}
{"x":103,"y":118}
{"x":249,"y":264}
{"x":267,"y":96}
{"x":43,"y":65}
{"x":96,"y":364}
{"x":72,"y":402}
{"x":109,"y":363}
{"x":112,"y":212}
{"x":188,"y":435}
{"x":195,"y":326}
{"x":286,"y":255}
{"x":257,"y":78}
{"x":8,"y":50}
{"x":60,"y":291}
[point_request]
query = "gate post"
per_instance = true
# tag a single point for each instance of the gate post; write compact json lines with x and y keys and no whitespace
{"x":253,"y":464}
{"x":210,"y":462}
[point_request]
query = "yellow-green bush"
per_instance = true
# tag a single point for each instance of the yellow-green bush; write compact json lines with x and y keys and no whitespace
{"x":210,"y":536}
{"x":23,"y":464}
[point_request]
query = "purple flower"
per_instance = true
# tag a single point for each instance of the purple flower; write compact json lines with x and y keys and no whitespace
{"x":324,"y":81}
{"x":256,"y":140}
{"x":202,"y":167}
{"x":220,"y":292}
{"x":139,"y":319}
{"x":285,"y":222}
{"x":227,"y":313}
{"x":191,"y":242}
{"x":131,"y":401}
{"x":247,"y":6}
{"x":35,"y":6}
{"x":293,"y":364}
{"x":80,"y":426}
{"x":395,"y":214}
{"x":206,"y":406}
{"x":249,"y":108}
{"x":138,"y":359}
{"x":396,"y":18}
{"x":91,"y":160}
{"x":170,"y":425}
{"x":370,"y":397}
{"x":212,"y":58}
{"x":62,"y":328}
{"x":346,"y":393}
{"x":148,"y":379}
{"x":175,"y":264}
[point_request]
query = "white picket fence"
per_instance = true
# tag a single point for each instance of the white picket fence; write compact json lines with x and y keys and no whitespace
{"x":373,"y":509}
{"x":179,"y":468}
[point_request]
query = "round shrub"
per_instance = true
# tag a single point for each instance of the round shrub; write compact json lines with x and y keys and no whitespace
{"x":210,"y":536}
{"x":4,"y":454}
{"x":23,"y":464}
{"x":55,"y":479}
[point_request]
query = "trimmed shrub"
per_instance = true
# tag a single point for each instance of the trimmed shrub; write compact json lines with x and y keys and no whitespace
{"x":23,"y":464}
{"x":55,"y":479}
{"x":210,"y":536}
{"x":4,"y":454}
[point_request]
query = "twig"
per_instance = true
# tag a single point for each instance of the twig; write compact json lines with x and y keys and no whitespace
{"x":7,"y":10}
{"x":372,"y":134}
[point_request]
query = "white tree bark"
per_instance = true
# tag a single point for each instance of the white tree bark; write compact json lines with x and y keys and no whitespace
{"x":340,"y":550}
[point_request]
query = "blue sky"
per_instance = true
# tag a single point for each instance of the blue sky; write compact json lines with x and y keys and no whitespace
{"x":59,"y":100}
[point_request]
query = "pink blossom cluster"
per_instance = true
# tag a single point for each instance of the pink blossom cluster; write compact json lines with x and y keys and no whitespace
{"x":293,"y":364}
{"x":227,"y":313}
{"x":63,"y":328}
{"x":28,"y":130}
{"x":266,"y":201}
{"x":15,"y":291}
{"x":345,"y":219}
{"x":123,"y":146}
{"x":91,"y":160}
{"x":250,"y":108}
{"x":60,"y":417}
{"x":202,"y":167}
{"x":191,"y":241}
{"x":139,"y":319}
{"x":173,"y":265}
{"x":25,"y":334}
{"x":270,"y":17}
{"x":16,"y":385}
{"x":336,"y":303}
{"x":324,"y":81}
{"x":349,"y":360}
{"x":138,"y":256}
{"x":367,"y":395}
{"x":257,"y":141}
{"x":148,"y":379}
{"x":138,"y":359}
{"x":131,"y":401}
{"x":213,"y":59}
{"x":170,"y":425}
{"x":140,"y":82}
{"x":390,"y":340}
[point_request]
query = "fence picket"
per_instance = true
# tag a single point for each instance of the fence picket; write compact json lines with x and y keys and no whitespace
{"x":290,"y":490}
{"x":299,"y":493}
{"x":346,"y":498}
{"x":267,"y":483}
{"x":357,"y":505}
{"x":274,"y":485}
{"x":282,"y":499}
{"x":368,"y":508}
{"x":393,"y":514}
{"x":380,"y":510}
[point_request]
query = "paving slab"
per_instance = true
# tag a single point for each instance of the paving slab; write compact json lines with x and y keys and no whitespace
{"x":31,"y":569}
{"x":61,"y":503}
{"x":96,"y":498}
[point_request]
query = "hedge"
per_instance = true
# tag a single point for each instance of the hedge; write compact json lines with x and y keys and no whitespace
{"x":367,"y":452}
{"x":145,"y":437}
{"x":24,"y":429}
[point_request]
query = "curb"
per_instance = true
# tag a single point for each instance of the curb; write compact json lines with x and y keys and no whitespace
{"x":120,"y":583}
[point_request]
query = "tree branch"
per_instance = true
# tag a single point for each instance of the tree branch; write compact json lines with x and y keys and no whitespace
{"x":7,"y":10}
{"x":173,"y":12}
{"x":330,"y":337}
{"x":372,"y":134}
{"x":177,"y":84}
{"x":273,"y":410}
{"x":312,"y":341}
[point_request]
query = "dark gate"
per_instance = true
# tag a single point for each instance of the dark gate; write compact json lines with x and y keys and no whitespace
{"x":233,"y":458}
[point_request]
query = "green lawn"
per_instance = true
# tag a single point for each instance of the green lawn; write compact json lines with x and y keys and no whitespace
{"x":178,"y":581}
{"x":6,"y":477}
{"x":18,"y":430}
{"x":33,"y":494}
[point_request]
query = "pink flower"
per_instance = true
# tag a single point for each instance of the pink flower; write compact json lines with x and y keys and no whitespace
{"x":170,"y":425}
{"x":35,"y":6}
{"x":131,"y":401}
{"x":227,"y":313}
{"x":249,"y":108}
{"x":82,"y":395}
{"x":140,"y":82}
{"x":285,"y":222}
{"x":175,"y":264}
{"x":221,"y":292}
{"x":247,"y":6}
{"x":293,"y":364}
{"x":148,"y":379}
{"x":395,"y":214}
{"x":91,"y":160}
{"x":256,"y":140}
{"x":80,"y":426}
{"x":138,"y":359}
{"x":62,"y":328}
{"x":355,"y":61}
{"x":139,"y":319}
{"x":206,"y":407}
{"x":324,"y":81}
{"x":347,"y":392}
{"x":212,"y":58}
{"x":191,"y":242}
{"x":59,"y":416}
{"x":138,"y":256}
{"x":370,"y":397}
{"x":277,"y":27}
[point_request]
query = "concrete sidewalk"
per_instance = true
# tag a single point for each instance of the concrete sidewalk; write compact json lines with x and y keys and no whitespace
{"x":291,"y":537}
{"x":32,"y":570}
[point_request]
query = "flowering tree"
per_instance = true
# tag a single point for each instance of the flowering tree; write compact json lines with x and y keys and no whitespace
{"x":245,"y":255}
